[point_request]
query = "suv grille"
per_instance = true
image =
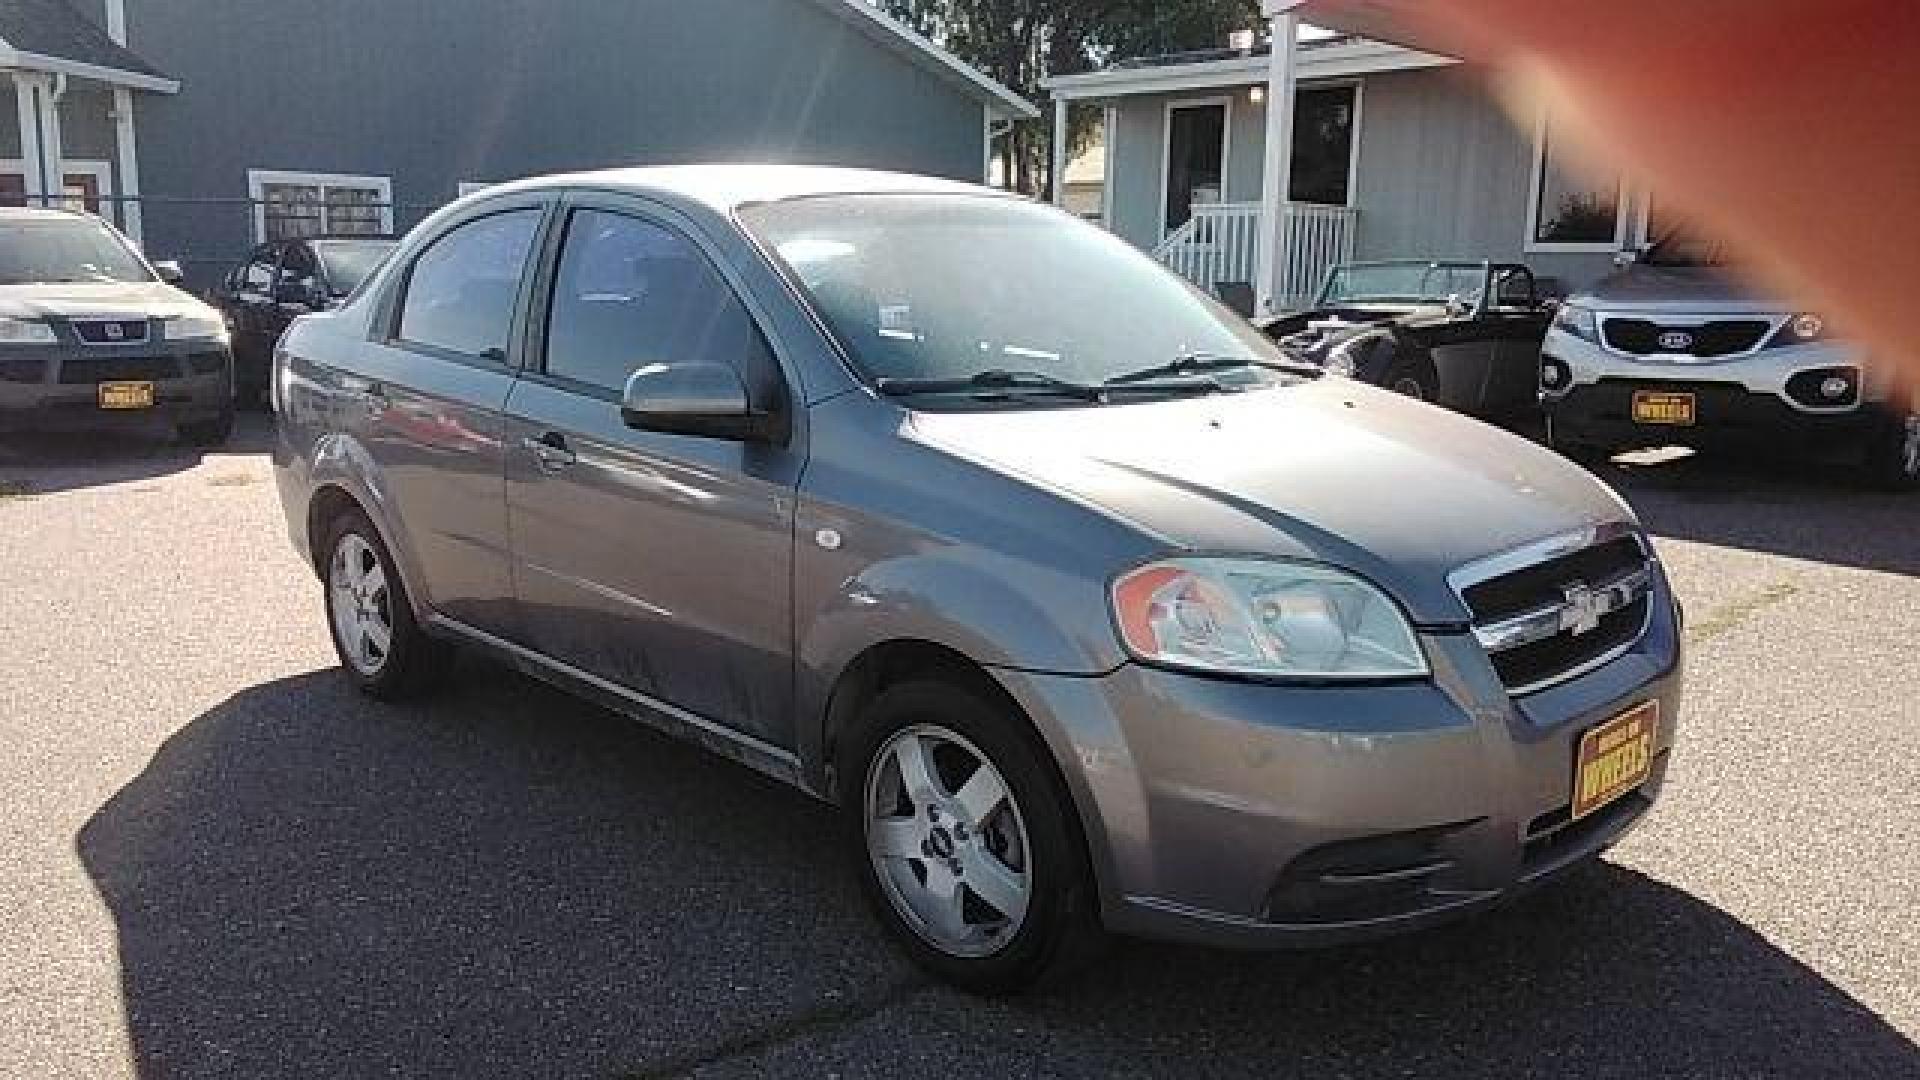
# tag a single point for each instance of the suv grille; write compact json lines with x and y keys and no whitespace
{"x":1546,"y":621}
{"x":1642,"y":338}
{"x":111,"y":331}
{"x":114,"y":368}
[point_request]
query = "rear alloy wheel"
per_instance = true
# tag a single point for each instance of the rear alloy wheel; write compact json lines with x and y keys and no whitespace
{"x":968,"y":849}
{"x":1412,"y":377}
{"x":374,"y":632}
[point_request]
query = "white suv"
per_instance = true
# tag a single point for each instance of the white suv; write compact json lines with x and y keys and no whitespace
{"x":1671,"y":351}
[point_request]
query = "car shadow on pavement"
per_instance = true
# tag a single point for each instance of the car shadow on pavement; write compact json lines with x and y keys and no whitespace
{"x":49,"y":462}
{"x":506,"y":882}
{"x":1802,"y":510}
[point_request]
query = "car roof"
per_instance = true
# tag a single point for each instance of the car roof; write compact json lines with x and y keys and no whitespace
{"x":36,"y":213}
{"x":725,"y":187}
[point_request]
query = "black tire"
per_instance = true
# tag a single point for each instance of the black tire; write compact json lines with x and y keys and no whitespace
{"x":415,"y":662}
{"x":1412,"y":375}
{"x":1892,"y":453}
{"x":212,"y":431}
{"x":1060,"y":933}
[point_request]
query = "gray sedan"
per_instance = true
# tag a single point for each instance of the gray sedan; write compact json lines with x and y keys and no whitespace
{"x":1092,"y":611}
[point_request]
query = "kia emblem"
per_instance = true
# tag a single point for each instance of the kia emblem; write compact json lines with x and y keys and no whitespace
{"x":1676,"y":341}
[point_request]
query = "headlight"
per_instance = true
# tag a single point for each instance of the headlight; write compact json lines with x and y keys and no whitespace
{"x":1801,"y":329}
{"x":1578,"y":321}
{"x":1343,"y":358}
{"x":25,"y":332}
{"x":1255,"y":617}
{"x":197,"y":328}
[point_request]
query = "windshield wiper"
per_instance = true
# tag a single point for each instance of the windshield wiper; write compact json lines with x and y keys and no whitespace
{"x":1026,"y":382}
{"x":1191,"y":363}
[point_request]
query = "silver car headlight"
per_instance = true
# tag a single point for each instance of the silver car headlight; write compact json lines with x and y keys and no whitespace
{"x":1265,"y":618}
{"x":197,"y":328}
{"x":1341,"y":359}
{"x":1578,"y":321}
{"x":26,"y":332}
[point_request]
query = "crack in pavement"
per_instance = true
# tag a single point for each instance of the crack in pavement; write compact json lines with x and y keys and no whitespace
{"x":1731,"y":615}
{"x":831,"y":1016}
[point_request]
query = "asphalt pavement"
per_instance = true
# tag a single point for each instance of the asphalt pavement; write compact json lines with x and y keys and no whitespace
{"x":217,"y":860}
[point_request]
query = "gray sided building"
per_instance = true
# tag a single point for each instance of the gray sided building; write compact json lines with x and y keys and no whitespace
{"x":204,"y":128}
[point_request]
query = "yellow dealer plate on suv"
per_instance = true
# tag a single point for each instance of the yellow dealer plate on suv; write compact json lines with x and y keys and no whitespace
{"x":126,"y":395}
{"x":1651,"y":407}
{"x":1614,"y":758}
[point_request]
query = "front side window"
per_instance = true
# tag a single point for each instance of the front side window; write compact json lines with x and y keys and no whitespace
{"x":950,"y":286}
{"x":1573,"y":206}
{"x":629,"y":293}
{"x":65,"y":250}
{"x":350,"y":262}
{"x":461,"y":295}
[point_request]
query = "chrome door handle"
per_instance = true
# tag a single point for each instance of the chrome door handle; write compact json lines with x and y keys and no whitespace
{"x":550,"y":450}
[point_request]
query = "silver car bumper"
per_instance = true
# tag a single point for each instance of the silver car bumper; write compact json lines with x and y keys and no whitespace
{"x":1233,"y":813}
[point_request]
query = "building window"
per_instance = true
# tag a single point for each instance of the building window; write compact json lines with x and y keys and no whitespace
{"x":290,"y":205}
{"x":1323,"y":145}
{"x":1572,"y":208}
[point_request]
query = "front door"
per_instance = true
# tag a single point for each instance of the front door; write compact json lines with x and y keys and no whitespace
{"x":659,"y":562}
{"x":1196,"y":159}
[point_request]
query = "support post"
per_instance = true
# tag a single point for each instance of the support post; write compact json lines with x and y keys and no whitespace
{"x":27,"y":97}
{"x":1276,"y":179}
{"x":1059,"y":151}
{"x":131,"y":221}
{"x":52,"y":153}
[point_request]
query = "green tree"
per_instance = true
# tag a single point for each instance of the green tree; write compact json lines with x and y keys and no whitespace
{"x":1021,"y":42}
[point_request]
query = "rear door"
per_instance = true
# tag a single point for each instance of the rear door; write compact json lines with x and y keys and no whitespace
{"x":659,"y":562}
{"x":432,"y":385}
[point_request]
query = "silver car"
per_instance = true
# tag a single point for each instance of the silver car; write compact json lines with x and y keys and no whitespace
{"x":93,"y":335}
{"x":1090,"y":610}
{"x":1674,"y":350}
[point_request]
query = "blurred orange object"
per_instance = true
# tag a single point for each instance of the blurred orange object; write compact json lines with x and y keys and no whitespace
{"x":1789,"y":127}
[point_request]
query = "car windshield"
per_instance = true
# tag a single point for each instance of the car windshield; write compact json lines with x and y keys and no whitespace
{"x":349,"y":262}
{"x":956,"y":287}
{"x":65,"y":250}
{"x":1686,"y":247}
{"x":1404,"y":283}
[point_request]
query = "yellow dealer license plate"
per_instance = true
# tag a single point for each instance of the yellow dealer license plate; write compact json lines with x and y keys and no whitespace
{"x":126,"y":395}
{"x":1650,"y":407}
{"x":1614,"y":758}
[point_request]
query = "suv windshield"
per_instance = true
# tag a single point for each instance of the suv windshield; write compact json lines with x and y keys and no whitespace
{"x":920,"y":288}
{"x":62,"y":249}
{"x":348,"y":262}
{"x":1404,"y":283}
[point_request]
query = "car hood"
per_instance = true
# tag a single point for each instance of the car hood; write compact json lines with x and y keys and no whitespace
{"x":1332,"y":471}
{"x":97,"y":299}
{"x":1677,"y":289}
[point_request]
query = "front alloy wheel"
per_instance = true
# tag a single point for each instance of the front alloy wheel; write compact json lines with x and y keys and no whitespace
{"x":947,"y":841}
{"x":1893,"y":453}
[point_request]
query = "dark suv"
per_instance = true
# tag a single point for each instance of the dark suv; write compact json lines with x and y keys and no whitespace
{"x":281,"y":281}
{"x":91,"y":333}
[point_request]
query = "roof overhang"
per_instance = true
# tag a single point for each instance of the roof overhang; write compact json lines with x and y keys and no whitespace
{"x":902,"y":38}
{"x":1342,"y":59}
{"x":1396,"y":21}
{"x":14,"y":59}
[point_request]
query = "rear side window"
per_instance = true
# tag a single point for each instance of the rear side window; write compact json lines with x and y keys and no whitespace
{"x":631,"y":293}
{"x":461,"y":294}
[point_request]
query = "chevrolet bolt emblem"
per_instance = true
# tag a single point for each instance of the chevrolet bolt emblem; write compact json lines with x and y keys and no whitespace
{"x":1582,"y":609}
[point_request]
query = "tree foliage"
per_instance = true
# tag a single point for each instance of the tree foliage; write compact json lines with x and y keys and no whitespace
{"x":1021,"y":42}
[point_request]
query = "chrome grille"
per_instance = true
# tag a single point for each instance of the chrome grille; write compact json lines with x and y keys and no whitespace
{"x":1556,"y":609}
{"x":111,"y":331}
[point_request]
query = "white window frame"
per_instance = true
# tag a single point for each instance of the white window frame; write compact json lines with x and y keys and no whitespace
{"x":1623,"y":214}
{"x":259,"y":179}
{"x":101,"y":171}
{"x":1166,"y":150}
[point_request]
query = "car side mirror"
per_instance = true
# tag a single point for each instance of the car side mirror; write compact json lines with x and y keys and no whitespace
{"x":169,"y":271}
{"x":706,"y":400}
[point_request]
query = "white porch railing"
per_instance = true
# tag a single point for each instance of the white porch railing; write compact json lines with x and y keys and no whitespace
{"x":1221,"y":243}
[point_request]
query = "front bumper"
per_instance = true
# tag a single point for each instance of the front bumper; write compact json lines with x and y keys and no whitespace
{"x":58,"y":386}
{"x":1230,"y":813}
{"x":1761,"y":399}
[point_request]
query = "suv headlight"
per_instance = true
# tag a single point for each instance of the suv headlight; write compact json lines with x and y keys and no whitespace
{"x":1803,"y":328}
{"x":1578,"y":321}
{"x":197,"y":328}
{"x":26,"y":332}
{"x":1264,"y":618}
